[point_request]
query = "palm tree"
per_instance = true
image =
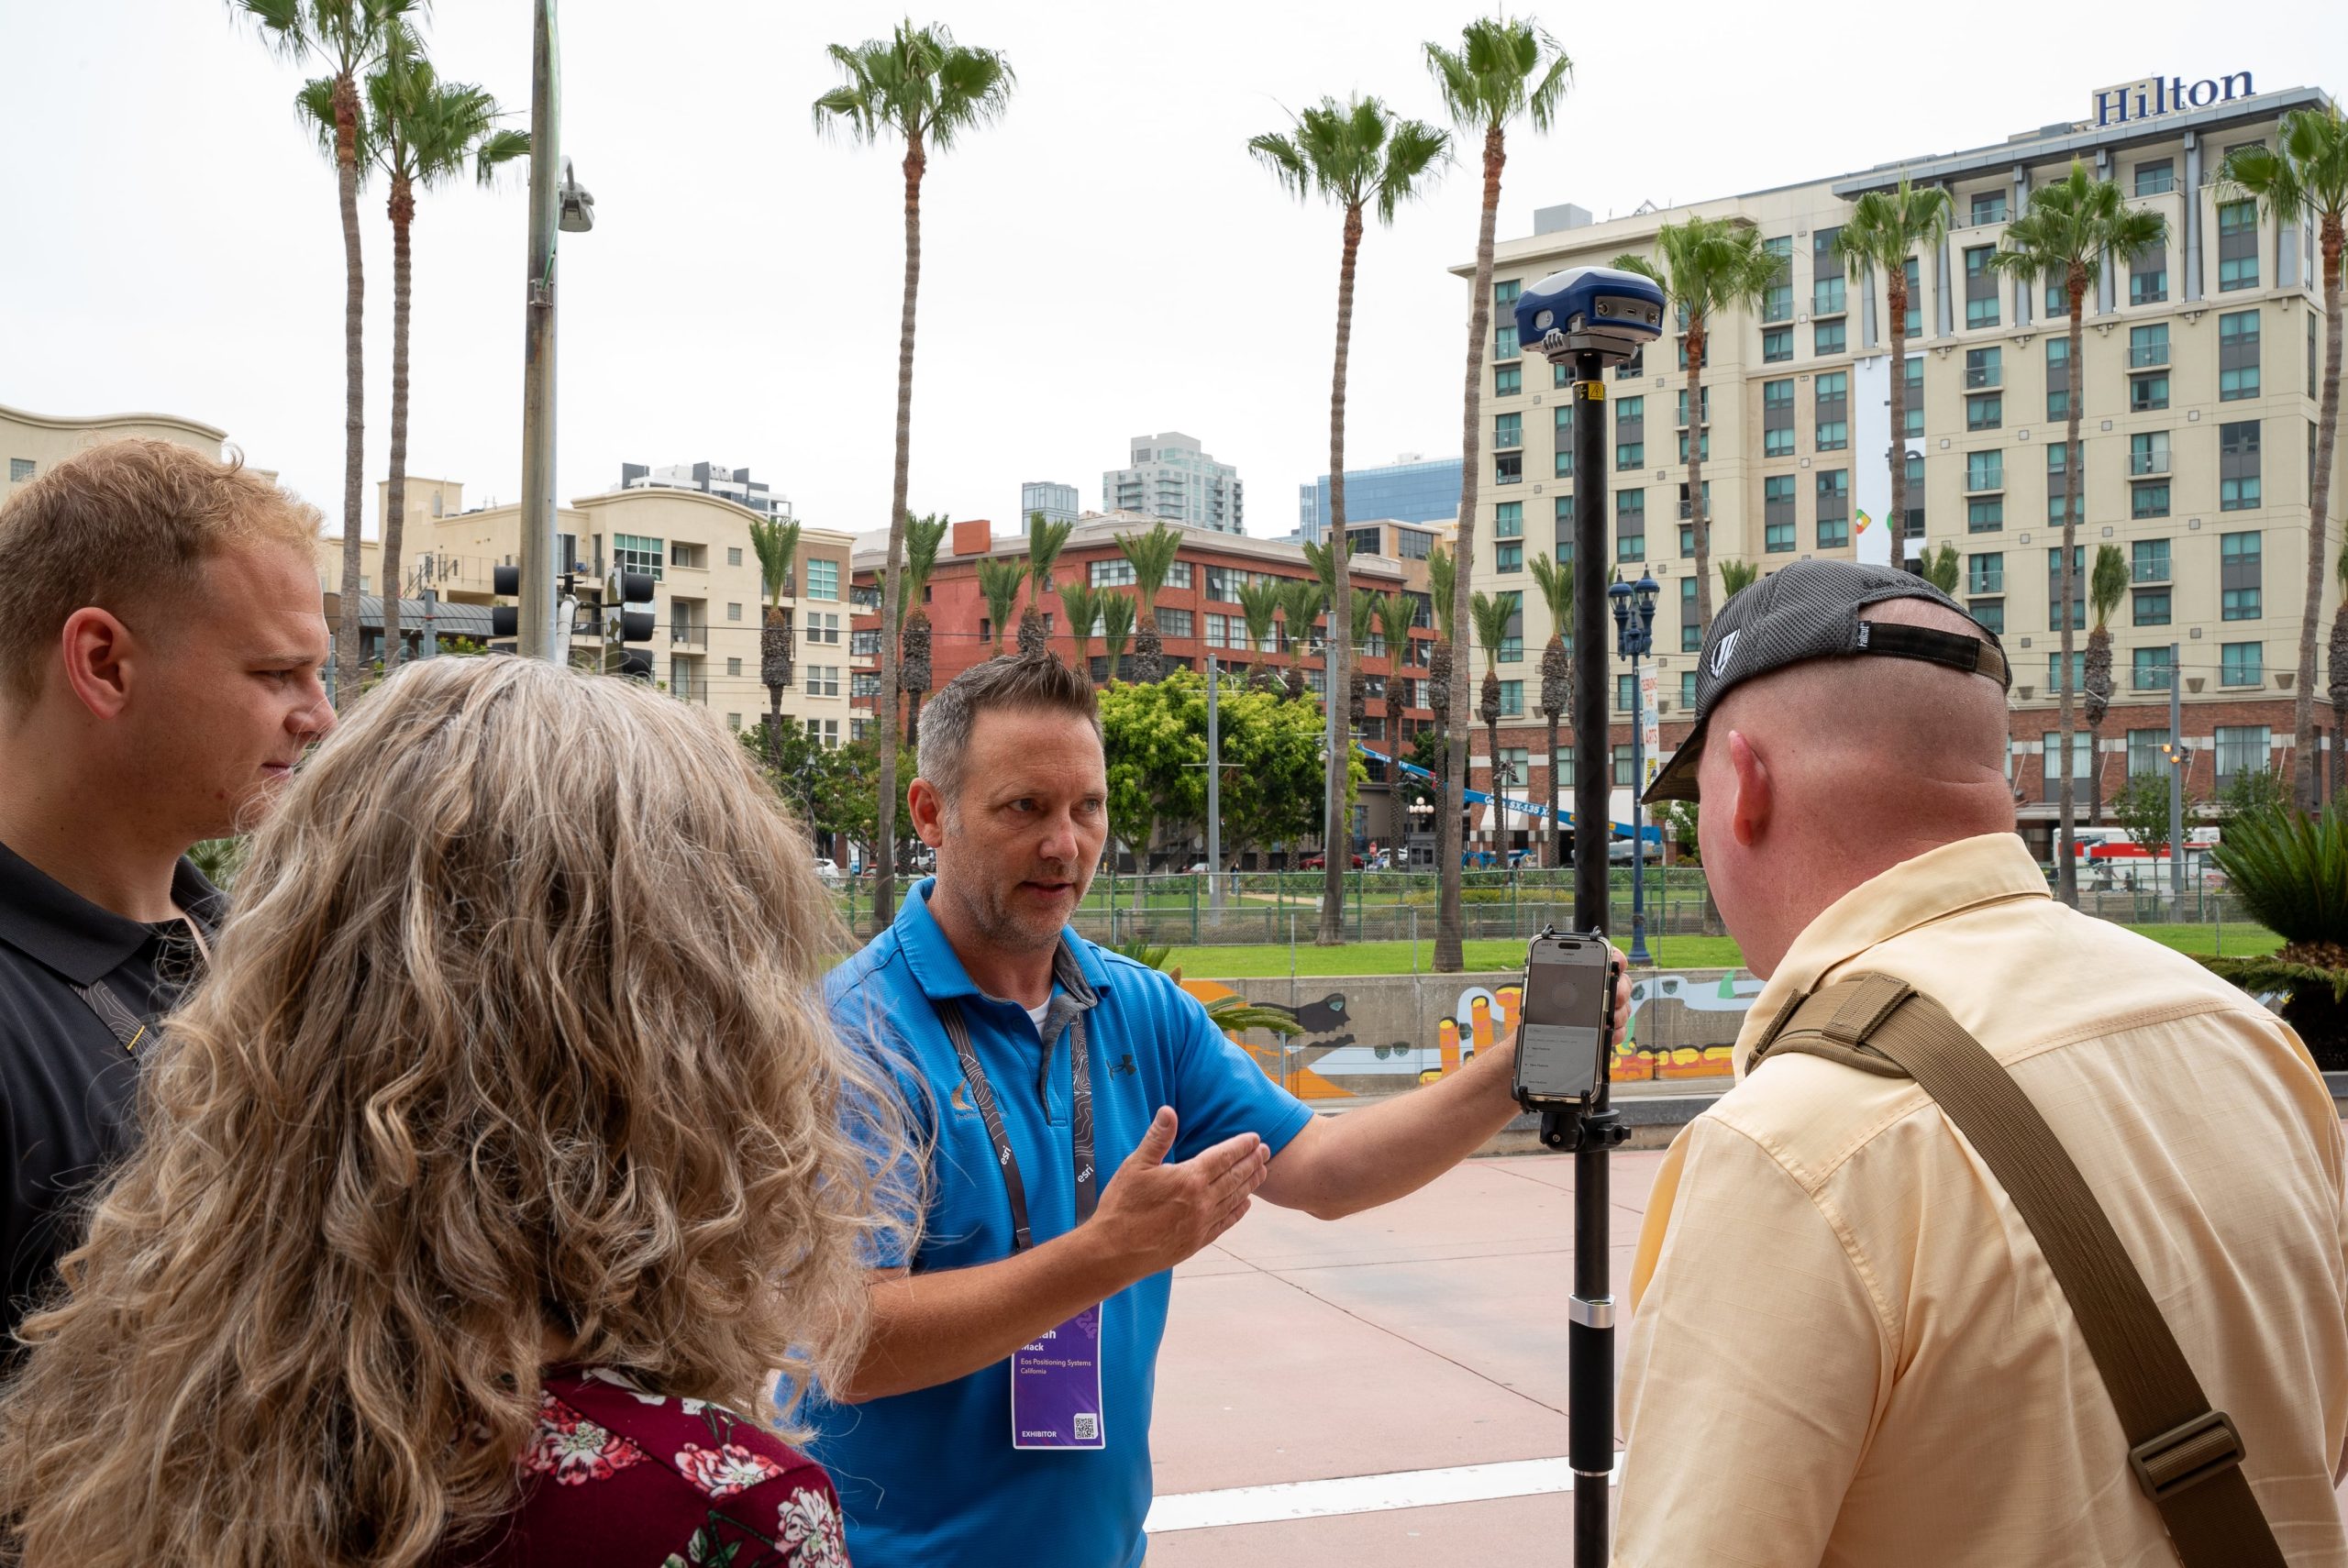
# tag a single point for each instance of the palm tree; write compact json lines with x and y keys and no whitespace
{"x":1395,"y":613}
{"x":1503,"y":68}
{"x":1555,"y":584}
{"x":1357,"y":679}
{"x":1941,"y":568}
{"x":1488,"y":613}
{"x":1442,"y":576}
{"x":1152,"y":555}
{"x":1045,"y":542}
{"x":2305,"y":174}
{"x":2106,"y":586}
{"x":1082,"y":602}
{"x":1736,"y":577}
{"x":1117,"y":626}
{"x":1328,"y":560}
{"x":349,"y":38}
{"x":924,"y":537}
{"x":2073,"y":227}
{"x":1708,"y":268}
{"x":999,"y":581}
{"x":922,"y":86}
{"x":1301,"y":601}
{"x":1885,"y":228}
{"x":422,"y":132}
{"x":1259,"y":605}
{"x":776,"y":540}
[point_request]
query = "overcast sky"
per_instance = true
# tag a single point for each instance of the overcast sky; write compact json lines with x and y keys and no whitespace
{"x":1105,"y":262}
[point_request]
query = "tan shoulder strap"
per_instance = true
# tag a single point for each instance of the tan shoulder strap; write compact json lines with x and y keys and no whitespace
{"x":2186,"y":1456}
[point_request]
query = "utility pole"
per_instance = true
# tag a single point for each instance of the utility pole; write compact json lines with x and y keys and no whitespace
{"x":536,"y":632}
{"x":2177,"y":754}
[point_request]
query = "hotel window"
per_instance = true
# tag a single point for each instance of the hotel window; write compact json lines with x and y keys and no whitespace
{"x":2078,"y":676}
{"x":1630,"y":433}
{"x":1691,"y":633}
{"x":1508,"y":379}
{"x":1224,"y":583}
{"x":2144,"y":753}
{"x":1834,"y":509}
{"x":2146,"y":497}
{"x":1985,"y":410}
{"x":1778,"y":419}
{"x":1988,"y":206}
{"x":1704,"y":406}
{"x":1622,"y":761}
{"x":1504,"y":342}
{"x":633,"y":552}
{"x":2148,"y":275}
{"x":1915,"y":466}
{"x":2058,"y":378}
{"x":1703,"y":445}
{"x":1828,"y":336}
{"x":2156,"y":177}
{"x":1178,"y":577}
{"x":1776,"y":344}
{"x":2241,"y":571}
{"x":2238,"y":478}
{"x":1512,"y":635}
{"x":1565,"y":523}
{"x":1111,"y":573}
{"x":1833,"y":410}
{"x":2242,"y":663}
{"x":1777,"y":300}
{"x":1778,"y":513}
{"x":1984,"y":370}
{"x":2050,"y":751}
{"x":823,"y":628}
{"x":733,"y":553}
{"x":1626,"y":692}
{"x":1826,"y":292}
{"x":1990,"y":613}
{"x":2151,"y":607}
{"x":1687,"y":691}
{"x":2148,"y":454}
{"x":822,"y":579}
{"x":1562,"y":438}
{"x":1980,"y":287}
{"x":2058,"y":299}
{"x":1985,"y":572}
{"x":1914,"y":324}
{"x":1512,"y":699}
{"x":1985,"y":470}
{"x":2238,"y":355}
{"x":2149,"y":669}
{"x":2054,"y":588}
{"x":1175,"y":623}
{"x":2058,"y":472}
{"x":2148,"y":394}
{"x":2148,"y":345}
{"x":1985,"y":514}
{"x":1631,"y":525}
{"x":2243,"y":748}
{"x":1914,"y":376}
{"x":2148,"y":561}
{"x":1508,"y":557}
{"x":1508,"y":520}
{"x":1218,"y":631}
{"x":2237,"y":246}
{"x":1508,"y":468}
{"x":1507,"y":430}
{"x":1505,"y":292}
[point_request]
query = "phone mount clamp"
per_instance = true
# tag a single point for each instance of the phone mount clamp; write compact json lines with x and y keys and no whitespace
{"x":1590,"y":1122}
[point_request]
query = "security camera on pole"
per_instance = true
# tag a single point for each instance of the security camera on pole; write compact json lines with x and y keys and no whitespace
{"x":1589,"y":318}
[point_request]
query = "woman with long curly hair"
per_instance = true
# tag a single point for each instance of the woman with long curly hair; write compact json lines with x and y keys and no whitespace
{"x":501,"y":1164}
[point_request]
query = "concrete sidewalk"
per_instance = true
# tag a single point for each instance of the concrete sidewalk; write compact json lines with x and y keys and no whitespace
{"x":1428,"y":1336}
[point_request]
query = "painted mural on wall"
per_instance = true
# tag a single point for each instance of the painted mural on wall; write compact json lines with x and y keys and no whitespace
{"x":1332,"y":1060}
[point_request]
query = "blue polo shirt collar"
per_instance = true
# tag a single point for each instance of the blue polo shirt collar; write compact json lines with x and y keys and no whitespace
{"x":939,"y":969}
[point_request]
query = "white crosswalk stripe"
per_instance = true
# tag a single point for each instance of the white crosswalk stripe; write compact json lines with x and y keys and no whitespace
{"x":1364,"y":1493}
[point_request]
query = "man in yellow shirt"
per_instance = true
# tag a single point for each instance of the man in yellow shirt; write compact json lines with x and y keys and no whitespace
{"x":1845,"y":1347}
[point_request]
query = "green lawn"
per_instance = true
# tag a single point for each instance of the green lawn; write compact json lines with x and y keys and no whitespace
{"x":1485,"y":955}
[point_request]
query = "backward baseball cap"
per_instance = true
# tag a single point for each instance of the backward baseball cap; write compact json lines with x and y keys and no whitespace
{"x":1812,"y":610}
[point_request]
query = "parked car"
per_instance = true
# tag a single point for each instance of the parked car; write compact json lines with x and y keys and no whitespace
{"x":1619,"y":852}
{"x":1197,"y":868}
{"x":827,"y":872}
{"x":1318,"y":862}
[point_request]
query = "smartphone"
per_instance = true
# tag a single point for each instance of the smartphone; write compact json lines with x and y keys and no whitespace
{"x":1568,"y":1019}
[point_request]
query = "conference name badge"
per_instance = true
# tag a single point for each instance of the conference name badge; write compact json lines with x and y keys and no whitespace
{"x":1055,"y":1386}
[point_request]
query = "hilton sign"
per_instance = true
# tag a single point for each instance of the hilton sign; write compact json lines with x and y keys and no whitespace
{"x":2156,"y":96}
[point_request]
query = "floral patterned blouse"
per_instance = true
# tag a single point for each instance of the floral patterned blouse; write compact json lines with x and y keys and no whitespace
{"x":615,"y":1475}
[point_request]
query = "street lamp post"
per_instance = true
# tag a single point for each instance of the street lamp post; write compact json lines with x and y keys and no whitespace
{"x":1635,"y":638}
{"x":1503,"y":775}
{"x":558,"y":203}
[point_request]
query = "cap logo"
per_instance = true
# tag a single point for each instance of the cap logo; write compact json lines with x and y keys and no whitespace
{"x":1722,"y":655}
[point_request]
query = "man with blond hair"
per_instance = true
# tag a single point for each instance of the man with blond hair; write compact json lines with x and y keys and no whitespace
{"x":1849,"y":1344}
{"x":162,"y":639}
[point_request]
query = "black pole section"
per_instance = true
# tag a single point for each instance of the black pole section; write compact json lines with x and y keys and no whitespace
{"x":1590,"y":1335}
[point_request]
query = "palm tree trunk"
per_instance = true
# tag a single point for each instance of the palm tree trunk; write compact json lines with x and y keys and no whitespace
{"x":1549,"y":846}
{"x":774,"y":727}
{"x":354,"y":394}
{"x":395,"y":492}
{"x":1492,"y":786}
{"x":2095,"y":773}
{"x":893,"y":596}
{"x":1700,"y":524}
{"x":1337,"y":843}
{"x":2303,"y":784}
{"x":912,"y":721}
{"x":2068,"y":866}
{"x":1895,"y":289}
{"x":1449,"y":957}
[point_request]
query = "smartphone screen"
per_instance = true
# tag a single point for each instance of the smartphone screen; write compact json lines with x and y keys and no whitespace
{"x":1560,"y":1046}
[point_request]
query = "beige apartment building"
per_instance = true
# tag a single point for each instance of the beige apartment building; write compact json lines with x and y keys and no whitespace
{"x":708,"y":598}
{"x":33,"y":443}
{"x":2198,"y":375}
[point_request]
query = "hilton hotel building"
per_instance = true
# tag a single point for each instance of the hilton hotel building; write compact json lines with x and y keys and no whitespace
{"x":2200,"y":369}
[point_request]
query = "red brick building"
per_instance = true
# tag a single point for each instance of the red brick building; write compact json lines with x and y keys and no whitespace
{"x":1198,"y":613}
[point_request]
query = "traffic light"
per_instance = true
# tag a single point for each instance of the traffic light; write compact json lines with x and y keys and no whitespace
{"x":627,"y":599}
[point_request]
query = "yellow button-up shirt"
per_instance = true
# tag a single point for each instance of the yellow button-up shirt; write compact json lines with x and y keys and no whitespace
{"x":1845,"y":1347}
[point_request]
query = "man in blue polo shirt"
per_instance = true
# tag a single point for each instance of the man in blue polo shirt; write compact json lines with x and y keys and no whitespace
{"x":1089,"y":1129}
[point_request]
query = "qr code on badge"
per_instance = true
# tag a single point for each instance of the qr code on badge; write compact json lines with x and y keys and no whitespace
{"x":1088,"y":1427}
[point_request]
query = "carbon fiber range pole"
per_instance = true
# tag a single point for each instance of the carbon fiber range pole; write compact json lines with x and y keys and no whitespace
{"x":1589,"y":1334}
{"x":536,"y":555}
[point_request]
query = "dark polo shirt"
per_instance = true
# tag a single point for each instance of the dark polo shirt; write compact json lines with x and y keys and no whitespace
{"x":80,"y":991}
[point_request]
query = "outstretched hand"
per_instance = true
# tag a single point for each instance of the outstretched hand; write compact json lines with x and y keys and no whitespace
{"x":1153,"y":1215}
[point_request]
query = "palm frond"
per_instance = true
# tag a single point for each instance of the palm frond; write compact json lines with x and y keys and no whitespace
{"x":2290,"y":870}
